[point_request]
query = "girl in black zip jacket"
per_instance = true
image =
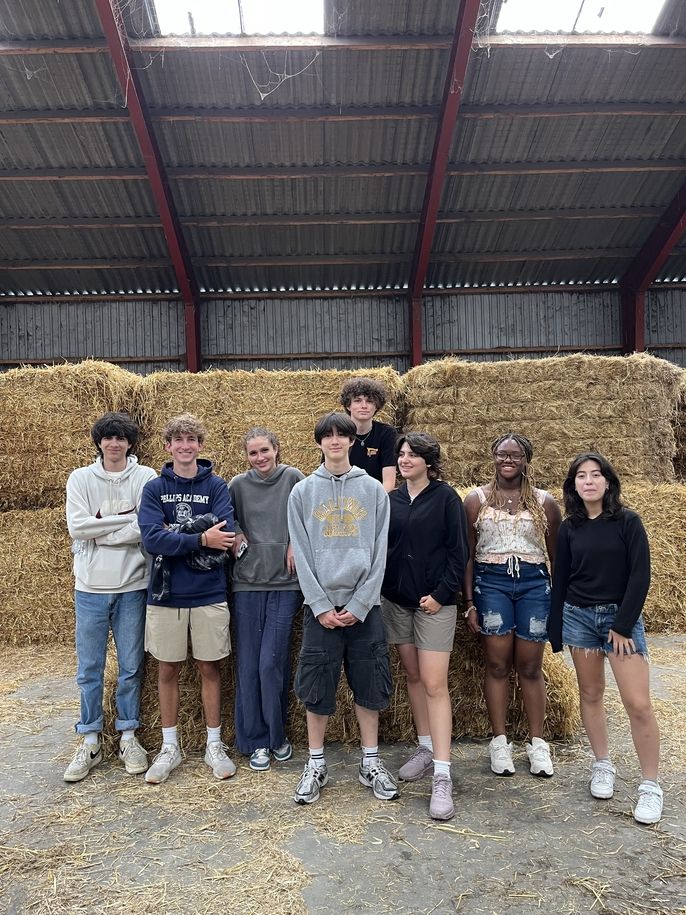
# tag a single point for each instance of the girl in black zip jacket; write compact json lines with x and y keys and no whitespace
{"x":427,"y":554}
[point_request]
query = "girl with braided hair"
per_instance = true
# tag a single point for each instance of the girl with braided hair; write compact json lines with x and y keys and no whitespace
{"x":512,"y":530}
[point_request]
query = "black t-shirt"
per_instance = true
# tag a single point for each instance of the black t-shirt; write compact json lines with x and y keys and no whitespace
{"x":374,"y":450}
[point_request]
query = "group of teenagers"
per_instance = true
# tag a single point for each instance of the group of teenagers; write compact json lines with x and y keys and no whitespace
{"x":375,"y":564}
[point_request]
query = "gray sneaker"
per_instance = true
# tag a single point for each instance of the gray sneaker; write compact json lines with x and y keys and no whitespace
{"x":417,"y":766}
{"x":134,"y":757}
{"x":307,"y":791}
{"x":163,"y":764}
{"x":218,"y":761}
{"x":259,"y":760}
{"x":441,"y":806}
{"x":87,"y":756}
{"x":379,"y":779}
{"x":284,"y":752}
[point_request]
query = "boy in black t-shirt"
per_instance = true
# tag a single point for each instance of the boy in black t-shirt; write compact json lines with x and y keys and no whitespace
{"x":374,"y":446}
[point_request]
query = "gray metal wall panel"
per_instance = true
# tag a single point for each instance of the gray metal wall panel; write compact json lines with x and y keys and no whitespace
{"x":584,"y":320}
{"x":355,"y":331}
{"x":666,"y":324}
{"x":103,"y":330}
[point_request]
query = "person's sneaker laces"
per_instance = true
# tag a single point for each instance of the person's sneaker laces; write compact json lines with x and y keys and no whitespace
{"x":312,"y":779}
{"x":649,"y":807}
{"x":86,"y":757}
{"x":134,"y":757}
{"x":501,"y":756}
{"x":603,"y":780}
{"x":284,"y":752}
{"x":220,"y":764}
{"x":441,"y":806}
{"x":259,"y":760}
{"x":379,"y":779}
{"x":417,"y":766}
{"x":540,"y":762}
{"x":163,"y":764}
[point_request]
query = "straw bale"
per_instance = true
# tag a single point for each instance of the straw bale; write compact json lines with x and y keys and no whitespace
{"x":624,"y":407}
{"x":680,"y":432}
{"x":36,"y":583}
{"x":45,"y":419}
{"x":229,"y":403}
{"x":466,"y":690}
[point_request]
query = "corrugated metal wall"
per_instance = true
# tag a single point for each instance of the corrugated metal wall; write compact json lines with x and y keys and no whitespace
{"x":521,"y":324}
{"x":666,"y":324}
{"x":335,"y":332}
{"x":353,"y":332}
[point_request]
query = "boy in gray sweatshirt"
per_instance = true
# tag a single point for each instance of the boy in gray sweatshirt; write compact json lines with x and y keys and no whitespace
{"x":338,"y":526}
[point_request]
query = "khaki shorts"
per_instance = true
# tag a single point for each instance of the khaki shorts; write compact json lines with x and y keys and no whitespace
{"x":167,"y":628}
{"x":411,"y":626}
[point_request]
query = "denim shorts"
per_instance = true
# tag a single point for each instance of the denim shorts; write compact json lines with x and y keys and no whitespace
{"x":588,"y":627}
{"x":361,"y":648}
{"x":518,"y":602}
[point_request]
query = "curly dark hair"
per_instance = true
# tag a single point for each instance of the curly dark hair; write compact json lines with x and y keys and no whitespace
{"x":575,"y":510}
{"x":528,"y":501}
{"x":424,"y":446}
{"x":118,"y":425}
{"x":363,"y":387}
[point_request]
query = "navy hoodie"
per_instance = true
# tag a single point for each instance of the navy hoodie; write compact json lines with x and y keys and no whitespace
{"x":170,"y":499}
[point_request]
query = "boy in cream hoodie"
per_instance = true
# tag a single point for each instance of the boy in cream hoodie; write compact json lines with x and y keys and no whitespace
{"x":111,"y":571}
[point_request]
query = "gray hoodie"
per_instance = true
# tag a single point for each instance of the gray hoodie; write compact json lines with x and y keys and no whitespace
{"x":339,"y":532}
{"x":260,"y":506}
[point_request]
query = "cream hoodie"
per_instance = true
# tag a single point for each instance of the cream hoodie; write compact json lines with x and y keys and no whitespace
{"x":108,"y":555}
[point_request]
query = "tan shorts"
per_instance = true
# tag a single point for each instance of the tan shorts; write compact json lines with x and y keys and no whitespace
{"x":410,"y":626}
{"x":167,"y":628}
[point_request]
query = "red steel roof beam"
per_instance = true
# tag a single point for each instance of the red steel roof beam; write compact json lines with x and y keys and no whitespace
{"x":452,"y":95}
{"x":645,"y":267}
{"x":120,"y":51}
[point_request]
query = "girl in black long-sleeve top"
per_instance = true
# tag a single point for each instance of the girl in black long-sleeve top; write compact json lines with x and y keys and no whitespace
{"x":600,"y":583}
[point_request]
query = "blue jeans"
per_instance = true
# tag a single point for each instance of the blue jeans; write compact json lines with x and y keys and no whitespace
{"x":514,"y":597}
{"x":263,"y":621}
{"x":95,"y":614}
{"x":589,"y":627}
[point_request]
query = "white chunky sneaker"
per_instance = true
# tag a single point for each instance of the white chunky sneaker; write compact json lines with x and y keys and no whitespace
{"x":501,"y":756}
{"x":311,"y":781}
{"x":163,"y":764}
{"x":603,"y":779}
{"x":540,"y":762}
{"x":649,"y":807}
{"x":218,"y":761}
{"x":86,"y":757}
{"x":134,"y":757}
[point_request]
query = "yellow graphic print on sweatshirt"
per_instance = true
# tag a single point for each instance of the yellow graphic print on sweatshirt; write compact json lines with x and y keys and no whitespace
{"x":341,"y":520}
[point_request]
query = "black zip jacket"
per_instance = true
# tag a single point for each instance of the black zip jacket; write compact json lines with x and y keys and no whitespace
{"x":427,"y":546}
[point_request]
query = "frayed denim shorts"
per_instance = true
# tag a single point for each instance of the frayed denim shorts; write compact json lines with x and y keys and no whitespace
{"x":513,"y":596}
{"x":588,"y":627}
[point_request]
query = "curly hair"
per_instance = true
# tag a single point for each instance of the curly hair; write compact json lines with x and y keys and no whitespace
{"x":424,"y":446}
{"x":363,"y":387}
{"x":575,"y":510}
{"x":528,"y":501}
{"x":184,"y":424}
{"x":117,"y":425}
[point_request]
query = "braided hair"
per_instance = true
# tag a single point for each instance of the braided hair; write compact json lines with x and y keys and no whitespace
{"x":528,"y":501}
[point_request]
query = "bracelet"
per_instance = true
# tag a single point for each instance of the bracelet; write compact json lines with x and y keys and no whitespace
{"x":469,"y":610}
{"x":200,"y":543}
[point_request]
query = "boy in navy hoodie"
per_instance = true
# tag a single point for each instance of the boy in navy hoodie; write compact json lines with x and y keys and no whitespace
{"x":194,"y":594}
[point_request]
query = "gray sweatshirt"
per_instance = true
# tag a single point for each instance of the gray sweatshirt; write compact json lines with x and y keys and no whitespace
{"x":339,"y":532}
{"x":260,"y":506}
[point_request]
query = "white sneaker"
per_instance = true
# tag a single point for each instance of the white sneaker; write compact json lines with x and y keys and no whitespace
{"x":134,"y":757}
{"x":540,"y":762}
{"x":87,"y":756}
{"x":649,"y":807}
{"x":501,"y":756}
{"x":218,"y":761}
{"x":603,"y":780}
{"x":163,"y":764}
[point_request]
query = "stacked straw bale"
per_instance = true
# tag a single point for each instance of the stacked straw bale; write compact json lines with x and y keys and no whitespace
{"x":36,"y":583}
{"x":680,"y":432}
{"x":624,"y":407}
{"x":466,"y":690}
{"x":45,"y":419}
{"x":229,"y":403}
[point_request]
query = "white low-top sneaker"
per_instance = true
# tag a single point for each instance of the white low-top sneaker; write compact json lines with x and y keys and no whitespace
{"x":540,"y":762}
{"x":649,"y":807}
{"x":501,"y":756}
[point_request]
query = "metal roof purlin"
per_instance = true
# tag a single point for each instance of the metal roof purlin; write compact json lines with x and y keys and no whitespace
{"x":452,"y":94}
{"x":644,"y":268}
{"x":117,"y":41}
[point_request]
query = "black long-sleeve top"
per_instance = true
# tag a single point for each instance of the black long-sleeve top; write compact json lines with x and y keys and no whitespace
{"x":427,"y":546}
{"x":601,"y":561}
